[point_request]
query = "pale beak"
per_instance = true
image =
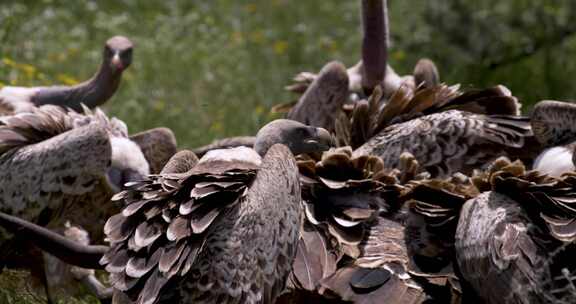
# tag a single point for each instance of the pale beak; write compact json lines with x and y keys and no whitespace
{"x":116,"y":62}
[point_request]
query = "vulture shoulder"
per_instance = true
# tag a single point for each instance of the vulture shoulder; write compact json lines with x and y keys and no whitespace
{"x":323,"y":99}
{"x":553,"y":125}
{"x":230,"y":142}
{"x":553,"y":122}
{"x":16,"y":99}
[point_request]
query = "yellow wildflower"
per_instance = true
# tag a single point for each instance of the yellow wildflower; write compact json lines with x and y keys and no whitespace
{"x":280,"y":47}
{"x":7,"y":61}
{"x":250,"y":8}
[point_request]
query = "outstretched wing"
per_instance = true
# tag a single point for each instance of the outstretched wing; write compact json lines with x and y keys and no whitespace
{"x":158,"y":146}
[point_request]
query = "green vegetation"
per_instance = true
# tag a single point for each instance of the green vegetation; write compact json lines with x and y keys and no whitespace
{"x":209,"y":69}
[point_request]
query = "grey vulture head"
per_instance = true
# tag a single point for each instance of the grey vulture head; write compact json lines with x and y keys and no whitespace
{"x":117,"y":57}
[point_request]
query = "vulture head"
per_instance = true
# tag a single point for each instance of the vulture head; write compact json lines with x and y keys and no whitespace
{"x":298,"y":137}
{"x":118,"y":53}
{"x":128,"y":163}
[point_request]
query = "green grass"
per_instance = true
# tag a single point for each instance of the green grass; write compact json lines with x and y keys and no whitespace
{"x":208,"y":69}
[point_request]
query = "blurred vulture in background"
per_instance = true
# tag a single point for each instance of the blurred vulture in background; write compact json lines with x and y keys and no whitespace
{"x":117,"y":57}
{"x":58,"y":166}
{"x":446,"y":130}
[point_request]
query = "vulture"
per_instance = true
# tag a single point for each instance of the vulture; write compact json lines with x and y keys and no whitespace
{"x":117,"y":57}
{"x":452,"y":141}
{"x":224,"y":228}
{"x":446,"y":130}
{"x":553,"y":124}
{"x":515,"y":241}
{"x":322,"y":101}
{"x":58,"y":165}
{"x":372,"y":70}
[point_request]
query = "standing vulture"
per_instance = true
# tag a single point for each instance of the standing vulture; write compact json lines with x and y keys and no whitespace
{"x":97,"y":90}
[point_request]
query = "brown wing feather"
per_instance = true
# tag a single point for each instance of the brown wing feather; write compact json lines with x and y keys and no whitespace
{"x":261,"y":233}
{"x":495,"y":253}
{"x":150,"y":248}
{"x":57,"y":173}
{"x":518,"y":237}
{"x":451,"y":141}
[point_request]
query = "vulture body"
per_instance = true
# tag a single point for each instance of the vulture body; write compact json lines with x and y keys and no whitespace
{"x":224,"y":230}
{"x":515,"y":242}
{"x":97,"y":90}
{"x":51,"y":159}
{"x":58,"y":166}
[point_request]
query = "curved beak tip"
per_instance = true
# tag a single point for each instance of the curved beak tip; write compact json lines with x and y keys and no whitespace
{"x":117,"y":63}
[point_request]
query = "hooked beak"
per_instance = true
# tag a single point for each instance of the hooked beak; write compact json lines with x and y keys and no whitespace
{"x":116,"y":62}
{"x":117,"y":178}
{"x":323,"y":140}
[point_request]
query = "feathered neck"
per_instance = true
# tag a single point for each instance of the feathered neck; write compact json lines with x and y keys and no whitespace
{"x":91,"y":93}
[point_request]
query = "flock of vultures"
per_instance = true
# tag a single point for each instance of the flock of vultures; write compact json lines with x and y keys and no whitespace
{"x":374,"y":188}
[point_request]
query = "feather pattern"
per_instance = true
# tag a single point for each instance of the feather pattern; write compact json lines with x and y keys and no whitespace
{"x":323,"y":100}
{"x":514,"y":241}
{"x":352,"y":245}
{"x":217,"y":209}
{"x":451,"y":141}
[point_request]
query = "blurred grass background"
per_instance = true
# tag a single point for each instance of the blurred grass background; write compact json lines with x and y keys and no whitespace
{"x":209,"y":69}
